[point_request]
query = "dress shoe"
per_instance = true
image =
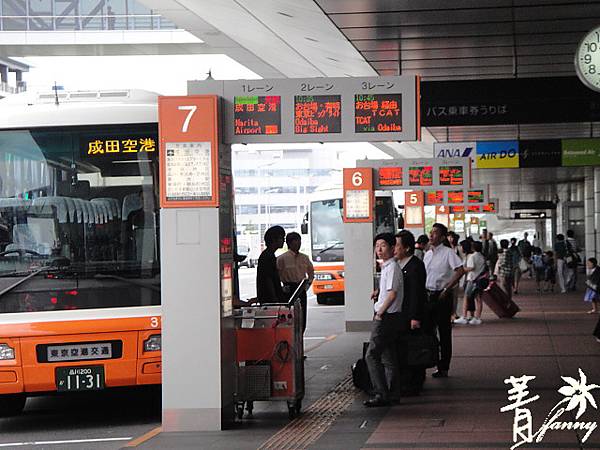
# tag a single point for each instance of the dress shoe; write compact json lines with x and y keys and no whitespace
{"x":440,"y":374}
{"x":376,"y":401}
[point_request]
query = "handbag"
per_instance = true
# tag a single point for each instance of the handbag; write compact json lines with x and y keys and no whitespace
{"x":523,"y":266}
{"x":423,"y":350}
{"x":360,"y":372}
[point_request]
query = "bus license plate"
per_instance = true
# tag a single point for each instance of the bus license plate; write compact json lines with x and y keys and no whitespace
{"x":80,"y":378}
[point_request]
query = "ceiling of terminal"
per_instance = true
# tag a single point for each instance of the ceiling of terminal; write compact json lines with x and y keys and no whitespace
{"x":465,"y":39}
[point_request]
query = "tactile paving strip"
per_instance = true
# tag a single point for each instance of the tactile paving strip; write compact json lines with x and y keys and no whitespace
{"x":316,"y":420}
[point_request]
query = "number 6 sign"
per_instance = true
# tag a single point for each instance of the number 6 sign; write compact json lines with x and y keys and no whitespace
{"x":358,"y":195}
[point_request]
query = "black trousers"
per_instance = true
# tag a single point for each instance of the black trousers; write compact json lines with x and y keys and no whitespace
{"x":439,"y":312}
{"x":597,"y":330}
{"x":289,"y":289}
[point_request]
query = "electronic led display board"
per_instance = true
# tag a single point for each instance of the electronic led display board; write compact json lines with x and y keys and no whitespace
{"x":378,"y":113}
{"x":475,"y":196}
{"x":420,"y":175}
{"x":257,"y":115}
{"x":490,"y":207}
{"x":451,"y":176}
{"x":456,"y":197}
{"x":390,"y":176}
{"x":317,"y":114}
{"x":474,"y":209}
{"x":457,"y":209}
{"x":434,"y":197}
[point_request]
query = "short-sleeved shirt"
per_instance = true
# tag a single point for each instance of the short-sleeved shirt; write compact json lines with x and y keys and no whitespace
{"x":440,"y":263}
{"x":268,"y":284}
{"x":294,"y":267}
{"x":476,"y":261}
{"x":391,"y":280}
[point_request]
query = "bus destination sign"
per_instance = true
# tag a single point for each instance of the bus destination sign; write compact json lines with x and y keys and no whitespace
{"x":456,"y":197}
{"x":475,"y":196}
{"x":420,"y":175}
{"x":451,"y":176}
{"x":390,"y":176}
{"x":255,"y":115}
{"x":434,"y":197}
{"x":317,"y":114}
{"x":378,"y":113}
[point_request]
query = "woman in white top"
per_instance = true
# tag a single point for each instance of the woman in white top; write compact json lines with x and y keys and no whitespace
{"x":472,"y":305}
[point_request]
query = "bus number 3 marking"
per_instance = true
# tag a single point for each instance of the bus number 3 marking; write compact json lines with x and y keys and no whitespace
{"x":357,"y":179}
{"x":186,"y":123}
{"x":154,"y":322}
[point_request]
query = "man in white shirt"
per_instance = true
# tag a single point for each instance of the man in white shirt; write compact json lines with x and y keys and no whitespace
{"x":444,"y":269}
{"x":381,"y":355}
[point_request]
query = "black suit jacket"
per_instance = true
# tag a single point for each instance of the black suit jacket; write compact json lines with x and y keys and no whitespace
{"x":415,"y":294}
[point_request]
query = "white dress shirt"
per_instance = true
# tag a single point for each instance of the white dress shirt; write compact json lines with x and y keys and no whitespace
{"x":391,"y":280}
{"x":440,"y":263}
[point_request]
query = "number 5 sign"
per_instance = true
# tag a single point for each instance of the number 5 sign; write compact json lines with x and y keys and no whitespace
{"x":358,"y":195}
{"x":189,"y":151}
{"x":414,"y":209}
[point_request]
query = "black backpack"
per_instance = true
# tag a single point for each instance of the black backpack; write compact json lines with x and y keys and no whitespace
{"x":360,"y":373}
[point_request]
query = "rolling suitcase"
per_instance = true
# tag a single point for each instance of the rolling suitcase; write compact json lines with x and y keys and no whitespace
{"x":497,"y":300}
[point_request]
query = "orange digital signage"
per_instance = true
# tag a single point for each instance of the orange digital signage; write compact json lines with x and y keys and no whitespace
{"x":316,"y":114}
{"x":451,"y":176}
{"x":456,"y":197}
{"x":490,"y":207}
{"x":378,"y":113}
{"x":434,"y":197}
{"x":457,"y":209}
{"x":420,"y":176}
{"x":474,"y":209}
{"x":390,"y":176}
{"x":475,"y":196}
{"x":257,"y":115}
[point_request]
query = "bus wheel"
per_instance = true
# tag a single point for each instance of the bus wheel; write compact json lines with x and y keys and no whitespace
{"x":12,"y":405}
{"x":321,"y":299}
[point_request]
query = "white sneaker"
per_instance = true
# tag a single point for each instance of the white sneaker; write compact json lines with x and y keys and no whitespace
{"x":475,"y":321}
{"x":462,"y":321}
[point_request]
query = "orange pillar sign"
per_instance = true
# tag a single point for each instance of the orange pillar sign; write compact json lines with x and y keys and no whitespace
{"x":414,"y":209}
{"x":358,"y":195}
{"x":189,"y":148}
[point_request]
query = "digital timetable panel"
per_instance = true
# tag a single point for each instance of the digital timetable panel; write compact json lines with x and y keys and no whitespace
{"x":431,"y":174}
{"x":315,"y":114}
{"x":254,"y":115}
{"x":347,"y":109}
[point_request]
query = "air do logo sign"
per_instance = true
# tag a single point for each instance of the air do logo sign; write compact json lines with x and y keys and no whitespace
{"x":486,"y":154}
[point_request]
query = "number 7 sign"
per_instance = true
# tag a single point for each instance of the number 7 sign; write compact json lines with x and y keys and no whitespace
{"x":189,"y":151}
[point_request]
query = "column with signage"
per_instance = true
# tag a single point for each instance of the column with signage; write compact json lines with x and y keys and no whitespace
{"x":197,"y":261}
{"x":358,"y":252}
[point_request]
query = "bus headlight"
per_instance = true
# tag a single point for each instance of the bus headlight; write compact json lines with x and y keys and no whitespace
{"x":153,"y":343}
{"x":323,"y":276}
{"x":6,"y":352}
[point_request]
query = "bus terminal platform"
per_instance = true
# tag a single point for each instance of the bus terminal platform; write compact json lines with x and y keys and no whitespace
{"x":551,"y":337}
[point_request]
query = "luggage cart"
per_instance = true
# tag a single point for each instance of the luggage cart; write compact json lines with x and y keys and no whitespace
{"x":270,"y":355}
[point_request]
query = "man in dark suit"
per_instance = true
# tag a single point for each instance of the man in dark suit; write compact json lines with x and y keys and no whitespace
{"x":413,"y":303}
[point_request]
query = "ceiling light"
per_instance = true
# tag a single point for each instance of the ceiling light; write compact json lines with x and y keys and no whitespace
{"x":285,"y":14}
{"x":311,"y":39}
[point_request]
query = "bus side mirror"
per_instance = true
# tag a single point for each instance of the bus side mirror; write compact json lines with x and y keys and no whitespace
{"x":304,"y":228}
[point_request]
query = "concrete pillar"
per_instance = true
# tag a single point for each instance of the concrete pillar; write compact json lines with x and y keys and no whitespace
{"x":589,"y":213}
{"x":597,"y":208}
{"x":358,"y":275}
{"x":3,"y":74}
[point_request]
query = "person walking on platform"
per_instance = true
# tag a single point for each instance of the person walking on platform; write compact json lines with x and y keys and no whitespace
{"x":572,"y":261}
{"x":505,"y":269}
{"x":413,"y":302}
{"x":268,"y":284}
{"x":560,"y":252}
{"x":515,"y":255}
{"x":526,"y":249}
{"x":381,"y":356}
{"x":492,"y":257}
{"x":294,"y":267}
{"x":475,"y":268}
{"x":444,"y":269}
{"x":421,"y":246}
{"x":592,"y":294}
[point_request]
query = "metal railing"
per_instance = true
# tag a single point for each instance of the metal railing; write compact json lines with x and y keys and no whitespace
{"x":96,"y":22}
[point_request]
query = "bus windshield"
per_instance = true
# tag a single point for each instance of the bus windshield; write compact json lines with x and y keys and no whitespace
{"x":327,"y":230}
{"x":79,"y":207}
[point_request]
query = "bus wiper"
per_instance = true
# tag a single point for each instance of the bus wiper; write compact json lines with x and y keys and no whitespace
{"x":100,"y":276}
{"x":335,"y":244}
{"x":22,"y":280}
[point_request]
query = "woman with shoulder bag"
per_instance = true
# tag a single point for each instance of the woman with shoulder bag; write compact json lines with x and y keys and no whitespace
{"x":476,"y":282}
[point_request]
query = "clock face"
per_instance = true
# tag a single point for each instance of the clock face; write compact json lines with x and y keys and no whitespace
{"x":587,"y":59}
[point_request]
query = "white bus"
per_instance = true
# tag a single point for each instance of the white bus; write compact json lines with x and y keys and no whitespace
{"x":79,"y":253}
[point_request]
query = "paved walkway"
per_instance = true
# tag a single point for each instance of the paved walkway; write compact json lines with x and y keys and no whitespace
{"x":549,"y":338}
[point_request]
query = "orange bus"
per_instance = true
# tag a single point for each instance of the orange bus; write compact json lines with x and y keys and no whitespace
{"x":79,"y":252}
{"x":324,"y":226}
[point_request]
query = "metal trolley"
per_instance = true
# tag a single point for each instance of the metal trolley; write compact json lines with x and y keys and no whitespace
{"x":270,"y":355}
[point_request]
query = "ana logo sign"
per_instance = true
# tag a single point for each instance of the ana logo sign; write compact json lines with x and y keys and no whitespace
{"x":454,"y":149}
